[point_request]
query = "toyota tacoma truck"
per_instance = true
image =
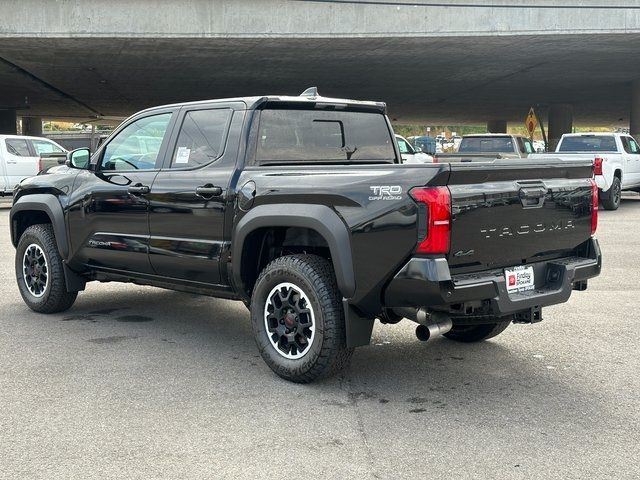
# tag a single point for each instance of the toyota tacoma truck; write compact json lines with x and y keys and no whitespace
{"x":616,"y":160}
{"x":301,"y":208}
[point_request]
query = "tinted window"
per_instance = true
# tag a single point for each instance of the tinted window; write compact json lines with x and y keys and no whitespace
{"x":136,"y":147}
{"x":589,"y":143}
{"x":286,"y":136}
{"x":630,"y":145}
{"x":17,"y":146}
{"x":487,"y":145}
{"x":201,"y":138}
{"x":42,"y":146}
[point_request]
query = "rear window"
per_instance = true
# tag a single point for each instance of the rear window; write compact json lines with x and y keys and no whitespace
{"x":487,"y":145}
{"x":590,"y":143}
{"x":290,"y":136}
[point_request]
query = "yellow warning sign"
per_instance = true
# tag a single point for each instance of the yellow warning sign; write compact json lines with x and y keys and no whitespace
{"x":531,"y":122}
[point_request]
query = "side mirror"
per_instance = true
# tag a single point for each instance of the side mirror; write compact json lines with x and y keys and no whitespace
{"x":78,"y":158}
{"x":417,"y":149}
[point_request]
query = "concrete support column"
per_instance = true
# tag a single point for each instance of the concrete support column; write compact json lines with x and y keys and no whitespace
{"x":8,"y":120}
{"x":497,"y":126}
{"x":560,"y":122}
{"x":32,"y":126}
{"x":634,"y":126}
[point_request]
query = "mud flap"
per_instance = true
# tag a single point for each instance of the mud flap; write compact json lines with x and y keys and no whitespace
{"x":357,"y":328}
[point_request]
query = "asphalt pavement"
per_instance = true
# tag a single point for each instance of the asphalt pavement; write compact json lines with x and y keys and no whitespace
{"x":138,"y":382}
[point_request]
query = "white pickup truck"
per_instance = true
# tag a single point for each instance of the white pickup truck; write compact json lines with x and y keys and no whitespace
{"x":22,"y":157}
{"x":616,"y":159}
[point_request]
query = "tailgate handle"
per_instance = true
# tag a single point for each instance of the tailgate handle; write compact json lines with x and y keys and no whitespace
{"x":532,"y":197}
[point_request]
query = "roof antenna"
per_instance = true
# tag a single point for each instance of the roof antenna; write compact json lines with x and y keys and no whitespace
{"x":310,"y":92}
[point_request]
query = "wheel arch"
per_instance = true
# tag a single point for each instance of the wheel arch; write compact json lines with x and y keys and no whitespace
{"x":33,"y":209}
{"x":318,"y":218}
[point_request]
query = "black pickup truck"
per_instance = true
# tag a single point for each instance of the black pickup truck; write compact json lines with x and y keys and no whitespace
{"x":301,"y":208}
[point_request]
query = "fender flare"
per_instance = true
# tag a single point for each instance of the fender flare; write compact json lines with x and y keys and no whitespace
{"x":49,"y":204}
{"x":320,"y":218}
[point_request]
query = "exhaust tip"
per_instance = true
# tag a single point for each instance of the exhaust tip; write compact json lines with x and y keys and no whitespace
{"x":423,"y":333}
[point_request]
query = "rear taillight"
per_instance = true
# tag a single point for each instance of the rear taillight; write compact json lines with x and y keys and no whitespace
{"x":435,"y":159}
{"x":594,"y":206}
{"x":597,"y":166}
{"x":434,"y":224}
{"x":39,"y":165}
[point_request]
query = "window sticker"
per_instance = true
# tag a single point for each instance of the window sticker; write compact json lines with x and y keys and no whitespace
{"x":182,"y":156}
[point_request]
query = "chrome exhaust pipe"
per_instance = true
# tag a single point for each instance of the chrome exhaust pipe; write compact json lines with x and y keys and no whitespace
{"x":432,"y":324}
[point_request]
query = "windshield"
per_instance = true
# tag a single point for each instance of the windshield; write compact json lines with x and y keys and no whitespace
{"x":290,"y":136}
{"x":588,"y":143}
{"x":487,"y":145}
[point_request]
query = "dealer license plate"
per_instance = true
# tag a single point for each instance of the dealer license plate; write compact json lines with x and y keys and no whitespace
{"x":519,"y":279}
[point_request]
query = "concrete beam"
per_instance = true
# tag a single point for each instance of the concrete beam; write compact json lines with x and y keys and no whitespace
{"x":8,"y":122}
{"x":634,"y":124}
{"x":497,"y":126}
{"x":32,"y":126}
{"x":308,"y":18}
{"x":560,"y":122}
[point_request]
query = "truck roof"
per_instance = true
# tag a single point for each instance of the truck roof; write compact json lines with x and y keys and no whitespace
{"x":309,"y":97}
{"x":492,"y":135}
{"x":592,"y":134}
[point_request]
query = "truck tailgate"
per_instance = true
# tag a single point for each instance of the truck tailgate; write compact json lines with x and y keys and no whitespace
{"x":515,"y":212}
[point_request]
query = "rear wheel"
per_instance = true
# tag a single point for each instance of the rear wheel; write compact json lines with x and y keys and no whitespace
{"x":477,"y":333}
{"x":298,"y":320}
{"x":611,"y":200}
{"x":39,"y":271}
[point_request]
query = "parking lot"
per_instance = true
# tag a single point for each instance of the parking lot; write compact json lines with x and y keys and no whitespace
{"x":137,"y":382}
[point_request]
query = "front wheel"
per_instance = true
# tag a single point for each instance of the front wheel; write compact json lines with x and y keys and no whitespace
{"x":40,"y":273}
{"x":477,"y":333}
{"x":611,"y":200}
{"x":298,"y":320}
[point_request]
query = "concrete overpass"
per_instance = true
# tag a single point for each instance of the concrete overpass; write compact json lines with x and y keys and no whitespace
{"x":459,"y":61}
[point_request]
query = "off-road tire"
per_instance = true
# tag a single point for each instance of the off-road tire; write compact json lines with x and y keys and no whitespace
{"x":611,"y":200}
{"x":327,"y":353}
{"x":55,"y":297}
{"x":477,"y":333}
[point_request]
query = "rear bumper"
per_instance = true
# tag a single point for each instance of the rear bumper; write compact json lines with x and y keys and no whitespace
{"x":427,"y":282}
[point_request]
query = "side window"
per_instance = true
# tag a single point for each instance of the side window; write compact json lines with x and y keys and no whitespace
{"x":136,"y":147}
{"x":404,"y":148}
{"x":202,"y":137}
{"x":17,"y":147}
{"x":43,"y":146}
{"x":630,"y":145}
{"x":528,"y":146}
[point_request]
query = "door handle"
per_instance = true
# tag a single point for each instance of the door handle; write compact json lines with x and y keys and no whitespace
{"x":138,"y":189}
{"x":208,"y":191}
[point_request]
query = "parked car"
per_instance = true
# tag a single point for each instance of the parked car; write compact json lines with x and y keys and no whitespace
{"x":489,"y":145}
{"x":305,"y":213}
{"x":616,"y":160}
{"x":425,"y":143}
{"x":410,"y":154}
{"x":22,"y":157}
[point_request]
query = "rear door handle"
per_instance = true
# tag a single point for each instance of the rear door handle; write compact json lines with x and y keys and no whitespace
{"x":138,"y":189}
{"x":208,"y":191}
